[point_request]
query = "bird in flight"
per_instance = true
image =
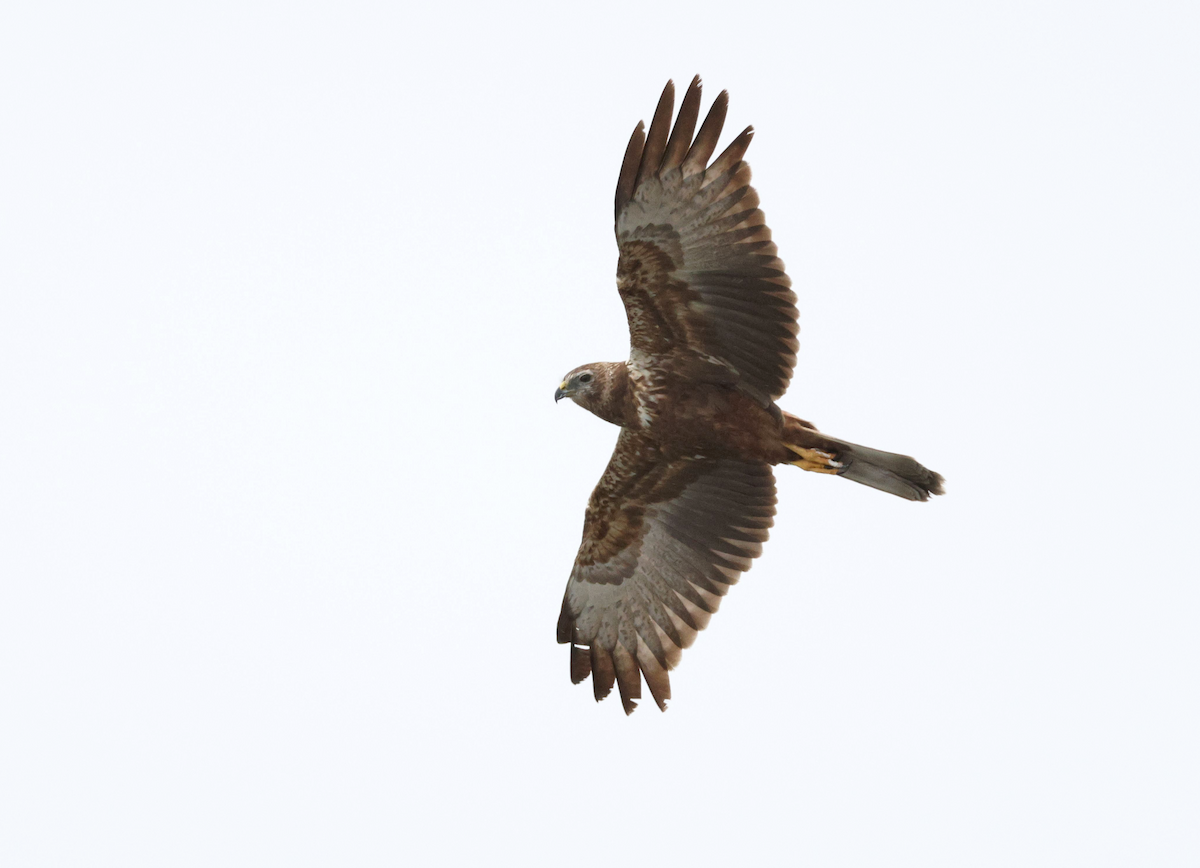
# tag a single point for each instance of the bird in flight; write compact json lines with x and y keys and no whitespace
{"x":686,"y":501}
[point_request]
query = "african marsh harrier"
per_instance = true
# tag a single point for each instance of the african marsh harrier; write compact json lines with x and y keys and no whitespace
{"x":687,"y":498}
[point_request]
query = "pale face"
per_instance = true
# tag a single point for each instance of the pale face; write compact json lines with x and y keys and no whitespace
{"x":579,"y":385}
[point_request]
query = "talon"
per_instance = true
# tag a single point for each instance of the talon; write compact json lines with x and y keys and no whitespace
{"x":815,"y":460}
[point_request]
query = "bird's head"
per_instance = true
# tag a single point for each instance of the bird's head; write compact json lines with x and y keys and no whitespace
{"x":599,"y":388}
{"x":582,"y":385}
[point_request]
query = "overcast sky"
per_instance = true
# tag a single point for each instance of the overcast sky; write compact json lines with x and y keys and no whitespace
{"x":287,"y":508}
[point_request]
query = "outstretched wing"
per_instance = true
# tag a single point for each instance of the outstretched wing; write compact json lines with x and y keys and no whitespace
{"x":697,"y":268}
{"x":662,"y":542}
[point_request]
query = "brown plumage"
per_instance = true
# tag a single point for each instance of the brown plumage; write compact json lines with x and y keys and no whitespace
{"x":689,"y":495}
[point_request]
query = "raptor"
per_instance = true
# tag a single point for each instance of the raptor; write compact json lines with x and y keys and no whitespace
{"x":688,"y":496}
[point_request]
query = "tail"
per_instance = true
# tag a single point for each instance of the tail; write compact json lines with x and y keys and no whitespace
{"x":896,"y":474}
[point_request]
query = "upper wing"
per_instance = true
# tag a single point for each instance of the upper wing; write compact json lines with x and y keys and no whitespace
{"x":697,"y":266}
{"x":662,"y":542}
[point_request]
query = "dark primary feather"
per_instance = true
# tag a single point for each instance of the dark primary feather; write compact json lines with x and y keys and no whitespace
{"x":685,"y":125}
{"x":629,"y":168}
{"x":656,"y":138}
{"x":732,"y":155}
{"x":710,"y":131}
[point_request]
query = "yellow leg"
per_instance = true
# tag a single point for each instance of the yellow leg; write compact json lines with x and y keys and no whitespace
{"x":815,"y":460}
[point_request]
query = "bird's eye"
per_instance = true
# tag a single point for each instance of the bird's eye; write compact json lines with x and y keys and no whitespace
{"x":585,"y":378}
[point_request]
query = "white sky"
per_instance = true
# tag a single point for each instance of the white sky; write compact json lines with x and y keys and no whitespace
{"x":287,"y":507}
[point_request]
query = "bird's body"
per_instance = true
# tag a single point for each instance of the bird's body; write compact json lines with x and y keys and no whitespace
{"x":686,"y":416}
{"x":687,"y":499}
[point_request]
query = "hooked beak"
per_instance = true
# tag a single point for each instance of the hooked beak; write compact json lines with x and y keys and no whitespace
{"x":561,"y":392}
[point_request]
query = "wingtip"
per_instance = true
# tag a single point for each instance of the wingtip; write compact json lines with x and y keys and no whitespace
{"x":581,"y":664}
{"x":668,"y":92}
